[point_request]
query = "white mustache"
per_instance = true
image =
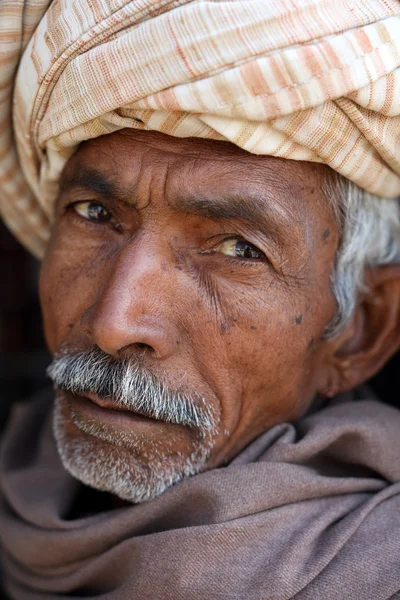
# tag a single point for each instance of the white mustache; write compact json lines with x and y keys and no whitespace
{"x":130,"y":386}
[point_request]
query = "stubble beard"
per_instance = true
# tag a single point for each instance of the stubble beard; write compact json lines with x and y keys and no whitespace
{"x":131,"y":467}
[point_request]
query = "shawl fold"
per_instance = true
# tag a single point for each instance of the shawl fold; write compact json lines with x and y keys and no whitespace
{"x":314,"y":80}
{"x":308,"y":511}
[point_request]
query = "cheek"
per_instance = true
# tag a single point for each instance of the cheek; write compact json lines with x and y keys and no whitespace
{"x":67,"y":287}
{"x":283,"y":379}
{"x":265,"y":360}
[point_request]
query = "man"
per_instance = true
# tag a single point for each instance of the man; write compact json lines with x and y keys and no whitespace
{"x":214,"y":189}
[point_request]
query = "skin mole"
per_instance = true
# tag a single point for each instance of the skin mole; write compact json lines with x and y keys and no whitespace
{"x":326,"y":234}
{"x":299,"y":319}
{"x":227,"y":324}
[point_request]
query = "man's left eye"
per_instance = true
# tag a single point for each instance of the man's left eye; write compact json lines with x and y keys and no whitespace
{"x":240,"y":249}
{"x":92,"y":211}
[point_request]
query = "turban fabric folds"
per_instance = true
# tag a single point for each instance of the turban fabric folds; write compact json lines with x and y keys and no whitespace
{"x":314,"y":80}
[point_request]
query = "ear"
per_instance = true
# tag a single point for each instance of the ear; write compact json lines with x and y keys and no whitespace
{"x":371,"y":337}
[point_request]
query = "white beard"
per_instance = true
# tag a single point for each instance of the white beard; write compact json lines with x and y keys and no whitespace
{"x":130,"y":468}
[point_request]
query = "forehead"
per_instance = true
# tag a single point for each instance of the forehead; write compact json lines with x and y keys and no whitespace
{"x":202,"y":167}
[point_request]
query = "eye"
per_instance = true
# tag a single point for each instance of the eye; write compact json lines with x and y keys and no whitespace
{"x":240,"y":249}
{"x":93,"y":211}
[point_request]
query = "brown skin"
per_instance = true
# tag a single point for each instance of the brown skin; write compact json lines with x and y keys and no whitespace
{"x":156,"y":280}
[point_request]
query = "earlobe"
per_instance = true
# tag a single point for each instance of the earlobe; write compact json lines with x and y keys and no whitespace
{"x":372,"y":336}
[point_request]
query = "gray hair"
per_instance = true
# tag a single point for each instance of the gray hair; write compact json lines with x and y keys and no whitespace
{"x":370,"y":237}
{"x":130,"y":386}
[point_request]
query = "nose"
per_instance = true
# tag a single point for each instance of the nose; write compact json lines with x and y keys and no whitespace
{"x":133,"y":307}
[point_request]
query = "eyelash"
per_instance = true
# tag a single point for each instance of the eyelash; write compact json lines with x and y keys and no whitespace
{"x":227,"y":259}
{"x":245,"y":262}
{"x":236,"y":260}
{"x":69,"y":208}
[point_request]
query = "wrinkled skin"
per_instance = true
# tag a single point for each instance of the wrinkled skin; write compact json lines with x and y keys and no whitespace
{"x":161,"y":278}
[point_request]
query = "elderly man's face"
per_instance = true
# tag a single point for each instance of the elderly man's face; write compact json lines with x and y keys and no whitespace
{"x":205,"y":270}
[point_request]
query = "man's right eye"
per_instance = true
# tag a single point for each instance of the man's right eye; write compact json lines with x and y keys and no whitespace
{"x":92,"y":211}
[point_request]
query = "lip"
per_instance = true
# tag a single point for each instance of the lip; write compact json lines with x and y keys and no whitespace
{"x":112,"y":405}
{"x":106,"y":411}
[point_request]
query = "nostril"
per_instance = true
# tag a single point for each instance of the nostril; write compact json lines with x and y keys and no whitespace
{"x":136,"y":347}
{"x":143,"y":347}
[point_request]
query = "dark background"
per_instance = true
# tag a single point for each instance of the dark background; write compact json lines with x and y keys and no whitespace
{"x":23,"y":353}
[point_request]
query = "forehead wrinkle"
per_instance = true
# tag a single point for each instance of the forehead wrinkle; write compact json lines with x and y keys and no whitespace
{"x":249,"y":189}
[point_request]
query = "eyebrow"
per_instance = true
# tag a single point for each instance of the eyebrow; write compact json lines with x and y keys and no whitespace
{"x":255,"y":207}
{"x":252,"y":206}
{"x":94,"y":181}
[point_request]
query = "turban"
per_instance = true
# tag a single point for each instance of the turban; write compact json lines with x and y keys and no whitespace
{"x":313,"y":80}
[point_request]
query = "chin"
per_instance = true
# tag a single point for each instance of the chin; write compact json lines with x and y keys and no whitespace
{"x":132,"y":467}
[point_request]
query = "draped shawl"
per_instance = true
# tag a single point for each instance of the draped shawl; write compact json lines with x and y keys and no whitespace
{"x":309,"y":511}
{"x":315,"y":80}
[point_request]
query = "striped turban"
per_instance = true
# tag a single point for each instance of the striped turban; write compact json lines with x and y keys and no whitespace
{"x":314,"y":80}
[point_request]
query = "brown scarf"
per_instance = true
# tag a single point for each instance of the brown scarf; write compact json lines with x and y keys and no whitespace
{"x":308,"y":511}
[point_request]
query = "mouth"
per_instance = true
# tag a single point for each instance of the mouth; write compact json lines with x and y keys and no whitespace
{"x":104,"y":410}
{"x":110,"y":404}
